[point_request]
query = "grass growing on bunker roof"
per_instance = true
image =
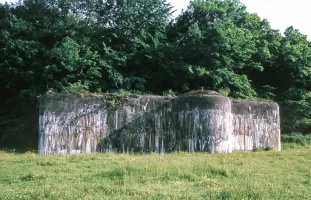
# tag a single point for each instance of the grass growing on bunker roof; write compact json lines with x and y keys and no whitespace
{"x":240,"y":175}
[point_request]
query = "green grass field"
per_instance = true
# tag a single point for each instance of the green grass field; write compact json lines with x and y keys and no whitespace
{"x":240,"y":175}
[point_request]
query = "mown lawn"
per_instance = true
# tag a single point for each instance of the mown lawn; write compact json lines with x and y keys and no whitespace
{"x":240,"y":175}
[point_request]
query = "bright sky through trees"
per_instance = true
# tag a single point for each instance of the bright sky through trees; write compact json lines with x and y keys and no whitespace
{"x":280,"y":13}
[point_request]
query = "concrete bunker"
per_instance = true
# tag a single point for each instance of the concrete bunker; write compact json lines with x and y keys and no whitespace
{"x":196,"y":121}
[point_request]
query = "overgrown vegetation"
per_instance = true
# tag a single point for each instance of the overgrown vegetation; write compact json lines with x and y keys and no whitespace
{"x":297,"y":138}
{"x":240,"y":175}
{"x":136,"y":45}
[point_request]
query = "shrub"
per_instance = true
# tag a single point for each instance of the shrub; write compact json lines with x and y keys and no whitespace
{"x":169,"y":93}
{"x":77,"y":87}
{"x":297,"y":138}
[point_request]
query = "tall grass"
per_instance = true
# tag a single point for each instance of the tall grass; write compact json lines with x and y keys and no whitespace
{"x":240,"y":175}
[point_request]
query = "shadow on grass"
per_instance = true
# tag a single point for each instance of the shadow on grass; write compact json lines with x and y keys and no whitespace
{"x":19,"y":151}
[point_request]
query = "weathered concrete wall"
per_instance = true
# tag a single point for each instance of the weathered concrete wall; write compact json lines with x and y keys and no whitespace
{"x":192,"y":122}
{"x":256,"y":125}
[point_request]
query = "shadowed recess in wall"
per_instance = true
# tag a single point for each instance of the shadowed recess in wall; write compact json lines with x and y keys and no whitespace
{"x":196,"y":121}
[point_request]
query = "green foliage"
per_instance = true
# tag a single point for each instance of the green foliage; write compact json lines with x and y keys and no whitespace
{"x":169,"y":93}
{"x":299,"y":102}
{"x":77,"y":87}
{"x":232,"y":84}
{"x":297,"y":138}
